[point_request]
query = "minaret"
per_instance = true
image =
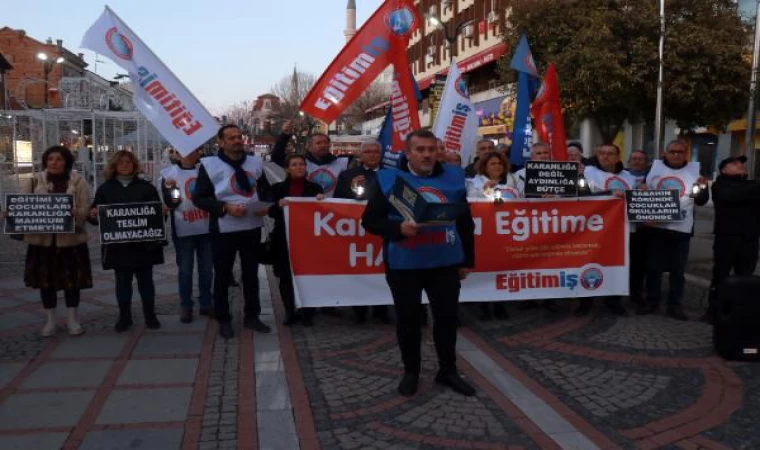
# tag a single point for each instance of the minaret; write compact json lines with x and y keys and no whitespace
{"x":350,"y":20}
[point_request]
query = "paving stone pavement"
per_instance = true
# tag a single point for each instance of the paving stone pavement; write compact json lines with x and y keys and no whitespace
{"x":544,"y":381}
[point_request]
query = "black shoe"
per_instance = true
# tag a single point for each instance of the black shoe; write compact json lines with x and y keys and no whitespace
{"x":500,"y":311}
{"x":255,"y":324}
{"x":583,"y":309}
{"x":647,"y":309}
{"x":225,"y":330}
{"x":677,"y":313}
{"x":186,"y":316}
{"x":408,"y":385}
{"x":616,"y":308}
{"x":152,"y":322}
{"x":290,"y":319}
{"x":123,"y":324}
{"x":307,"y":321}
{"x":204,"y":312}
{"x":455,"y":382}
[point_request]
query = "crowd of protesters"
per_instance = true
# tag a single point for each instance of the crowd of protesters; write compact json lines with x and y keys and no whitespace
{"x":218,"y":211}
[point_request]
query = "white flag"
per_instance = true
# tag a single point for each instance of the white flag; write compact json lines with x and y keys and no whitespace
{"x":456,"y":123}
{"x":158,"y":93}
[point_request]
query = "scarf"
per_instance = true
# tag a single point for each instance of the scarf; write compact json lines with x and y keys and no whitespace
{"x":58,"y":184}
{"x":297,"y":186}
{"x":240,"y":176}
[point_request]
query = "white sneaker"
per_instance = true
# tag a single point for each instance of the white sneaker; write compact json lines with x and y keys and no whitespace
{"x":75,"y":329}
{"x":49,"y":328}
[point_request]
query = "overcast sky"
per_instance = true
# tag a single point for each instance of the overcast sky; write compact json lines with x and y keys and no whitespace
{"x":225,"y":51}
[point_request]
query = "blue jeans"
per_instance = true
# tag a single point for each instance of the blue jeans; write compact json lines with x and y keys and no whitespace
{"x":188,"y":248}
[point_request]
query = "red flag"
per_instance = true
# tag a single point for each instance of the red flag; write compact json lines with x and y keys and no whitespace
{"x":367,"y":54}
{"x":547,"y":115}
{"x":405,"y":115}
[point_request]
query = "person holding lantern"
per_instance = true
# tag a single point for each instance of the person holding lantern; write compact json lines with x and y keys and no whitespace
{"x":190,"y":233}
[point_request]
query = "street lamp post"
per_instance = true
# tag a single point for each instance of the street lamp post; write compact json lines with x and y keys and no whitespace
{"x":47,"y":64}
{"x":450,"y":38}
{"x":658,"y":125}
{"x":749,"y":147}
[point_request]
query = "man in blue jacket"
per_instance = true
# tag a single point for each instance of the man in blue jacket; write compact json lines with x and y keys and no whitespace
{"x":419,"y":258}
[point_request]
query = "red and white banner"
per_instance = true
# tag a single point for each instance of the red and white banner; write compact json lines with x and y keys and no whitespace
{"x":367,"y":54}
{"x":404,"y":107}
{"x":158,"y":94}
{"x":456,"y":123}
{"x":524,"y":249}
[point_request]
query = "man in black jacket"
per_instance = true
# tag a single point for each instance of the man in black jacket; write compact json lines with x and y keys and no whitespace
{"x":230,"y":188}
{"x":737,"y":225}
{"x":433,"y":259}
{"x":353,"y":184}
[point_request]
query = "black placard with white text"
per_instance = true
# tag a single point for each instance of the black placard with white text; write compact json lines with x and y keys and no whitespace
{"x":558,"y":178}
{"x":653,"y":206}
{"x":131,"y":222}
{"x":39,"y":213}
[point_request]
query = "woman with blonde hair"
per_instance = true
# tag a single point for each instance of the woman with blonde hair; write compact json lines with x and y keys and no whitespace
{"x":57,"y":262}
{"x":131,"y":259}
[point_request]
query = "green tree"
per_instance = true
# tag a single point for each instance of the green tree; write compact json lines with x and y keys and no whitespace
{"x":606,"y":52}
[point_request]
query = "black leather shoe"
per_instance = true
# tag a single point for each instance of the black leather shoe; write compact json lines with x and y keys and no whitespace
{"x":123,"y":324}
{"x":647,"y":309}
{"x":255,"y":324}
{"x":186,"y":316}
{"x":677,"y":313}
{"x":455,"y":382}
{"x":225,"y":330}
{"x":151,"y":321}
{"x":408,"y":385}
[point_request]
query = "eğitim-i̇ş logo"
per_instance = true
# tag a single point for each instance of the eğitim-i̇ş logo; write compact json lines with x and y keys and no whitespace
{"x":119,"y":44}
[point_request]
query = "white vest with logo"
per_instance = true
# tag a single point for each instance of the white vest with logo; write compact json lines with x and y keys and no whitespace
{"x":226,"y":189}
{"x":509,"y":191}
{"x":663,"y":177}
{"x":188,"y":220}
{"x":326,"y":175}
{"x":640,"y":179}
{"x":601,"y":181}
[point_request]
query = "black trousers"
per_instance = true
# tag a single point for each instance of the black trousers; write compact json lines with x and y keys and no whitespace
{"x":50,"y":298}
{"x":737,"y":253}
{"x":225,"y":247}
{"x":442,"y":286}
{"x":638,"y":263}
{"x":666,"y":252}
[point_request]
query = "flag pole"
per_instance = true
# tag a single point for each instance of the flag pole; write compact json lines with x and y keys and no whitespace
{"x":749,"y":146}
{"x":658,"y":125}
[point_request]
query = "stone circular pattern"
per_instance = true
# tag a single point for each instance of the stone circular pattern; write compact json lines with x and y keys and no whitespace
{"x":656,"y":333}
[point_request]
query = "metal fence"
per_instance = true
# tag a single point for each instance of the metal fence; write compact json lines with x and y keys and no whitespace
{"x":93,"y":136}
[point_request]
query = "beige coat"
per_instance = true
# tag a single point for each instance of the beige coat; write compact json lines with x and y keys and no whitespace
{"x":82,"y":200}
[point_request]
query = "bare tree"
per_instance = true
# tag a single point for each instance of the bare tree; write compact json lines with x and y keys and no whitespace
{"x":238,"y":113}
{"x":376,"y":94}
{"x":291,"y":90}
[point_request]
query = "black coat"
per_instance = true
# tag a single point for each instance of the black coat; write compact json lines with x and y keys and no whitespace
{"x":132,"y":255}
{"x":376,"y":221}
{"x":343,"y":186}
{"x":279,"y":241}
{"x":737,"y":206}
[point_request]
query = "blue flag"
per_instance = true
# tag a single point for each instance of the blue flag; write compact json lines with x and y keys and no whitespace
{"x":527,"y":86}
{"x":522,"y":134}
{"x":522,"y":61}
{"x":390,"y":158}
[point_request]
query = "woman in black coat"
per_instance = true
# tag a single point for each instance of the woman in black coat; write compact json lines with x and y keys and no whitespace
{"x":133,"y":259}
{"x":295,"y":185}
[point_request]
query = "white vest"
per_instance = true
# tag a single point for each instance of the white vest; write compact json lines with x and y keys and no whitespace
{"x":601,"y":181}
{"x":663,"y":177}
{"x":188,"y":220}
{"x":226,"y":189}
{"x":508,"y":190}
{"x":639,"y":178}
{"x":326,"y":175}
{"x":520,"y":176}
